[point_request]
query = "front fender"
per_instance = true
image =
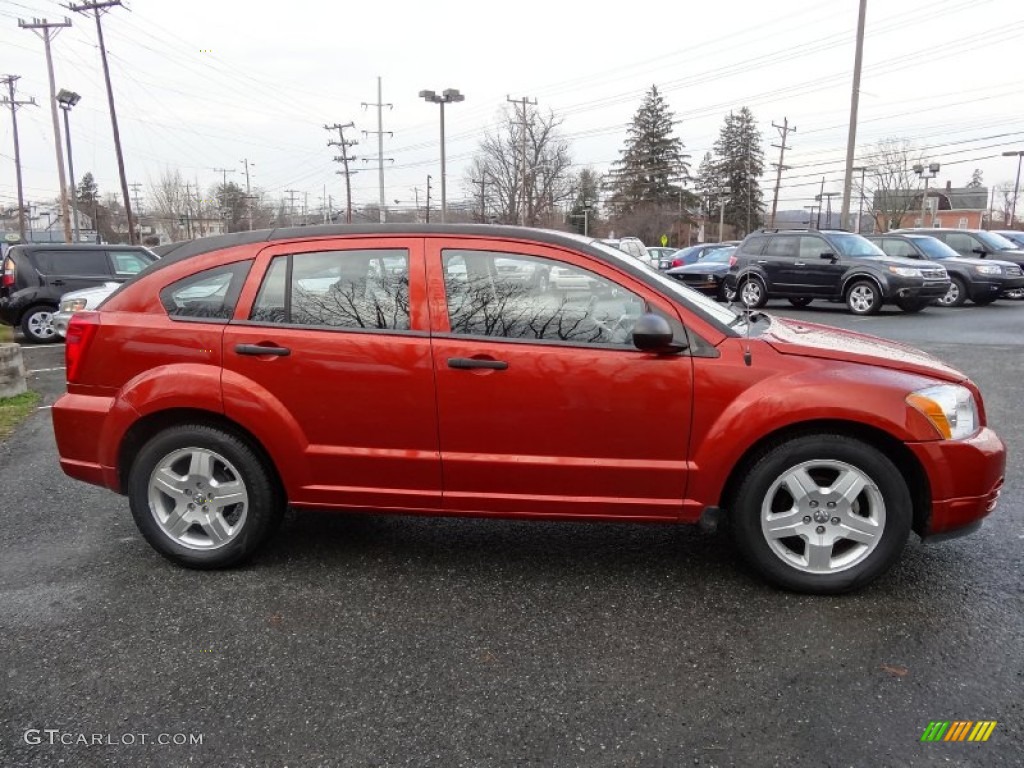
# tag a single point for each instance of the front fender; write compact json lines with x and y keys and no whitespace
{"x":783,"y":395}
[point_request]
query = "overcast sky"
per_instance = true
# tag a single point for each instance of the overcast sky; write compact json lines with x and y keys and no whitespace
{"x":202,"y":85}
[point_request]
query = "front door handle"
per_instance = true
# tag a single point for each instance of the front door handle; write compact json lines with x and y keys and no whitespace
{"x":259,"y":349}
{"x":466,"y":363}
{"x":799,"y":264}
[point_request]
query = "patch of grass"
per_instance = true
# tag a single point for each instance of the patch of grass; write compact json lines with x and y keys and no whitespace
{"x":14,"y":409}
{"x":6,"y":333}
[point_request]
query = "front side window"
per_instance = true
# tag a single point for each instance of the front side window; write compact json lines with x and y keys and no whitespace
{"x":209,"y":295}
{"x":365,"y":289}
{"x":527,"y":297}
{"x":127,"y":263}
{"x":811,"y":248}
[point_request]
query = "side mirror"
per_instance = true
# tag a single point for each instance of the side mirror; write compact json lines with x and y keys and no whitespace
{"x":829,"y":255}
{"x":652,"y":333}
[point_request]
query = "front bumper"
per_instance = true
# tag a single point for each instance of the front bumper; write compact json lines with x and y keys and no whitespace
{"x":60,"y":322}
{"x":909,"y":288}
{"x":706,"y":284}
{"x":965,"y":477}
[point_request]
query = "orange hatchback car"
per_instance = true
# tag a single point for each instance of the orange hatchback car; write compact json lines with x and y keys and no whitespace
{"x":441,"y":370}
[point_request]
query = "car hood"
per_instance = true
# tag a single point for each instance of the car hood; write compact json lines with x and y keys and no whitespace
{"x":792,"y":337}
{"x":96,"y":292}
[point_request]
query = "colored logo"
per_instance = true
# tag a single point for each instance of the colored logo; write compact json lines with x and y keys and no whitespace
{"x":958,"y":730}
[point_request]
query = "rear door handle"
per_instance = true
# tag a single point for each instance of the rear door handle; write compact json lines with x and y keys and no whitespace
{"x":762,"y":261}
{"x":259,"y":349}
{"x":799,"y":264}
{"x":470,"y":362}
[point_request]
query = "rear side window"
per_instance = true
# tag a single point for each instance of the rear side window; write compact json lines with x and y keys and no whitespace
{"x":782,"y":247}
{"x":208,"y":295}
{"x":77,"y":263}
{"x":365,"y":289}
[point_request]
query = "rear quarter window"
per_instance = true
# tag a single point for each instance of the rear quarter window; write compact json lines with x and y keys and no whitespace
{"x":208,"y":295}
{"x":752,"y":245}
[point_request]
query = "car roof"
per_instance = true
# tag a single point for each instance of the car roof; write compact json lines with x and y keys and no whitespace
{"x":73,"y":247}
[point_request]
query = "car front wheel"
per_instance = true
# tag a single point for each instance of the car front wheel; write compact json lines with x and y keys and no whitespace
{"x":822,"y":514}
{"x":202,"y":497}
{"x":956,"y":295}
{"x":752,"y":293}
{"x":37,"y":325}
{"x":864,"y":298}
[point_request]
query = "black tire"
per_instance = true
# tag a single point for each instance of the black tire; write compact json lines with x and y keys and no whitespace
{"x":746,"y":513}
{"x":956,"y":295}
{"x":800,"y":301}
{"x":911,"y":306}
{"x":752,"y":293}
{"x":263,"y":512}
{"x":863,"y":297}
{"x":725,"y":293}
{"x":37,"y":324}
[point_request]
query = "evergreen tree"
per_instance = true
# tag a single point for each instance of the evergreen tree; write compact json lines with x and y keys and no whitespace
{"x":740,"y":164}
{"x":653,"y":166}
{"x":88,"y":193}
{"x":975,"y":182}
{"x":585,"y":198}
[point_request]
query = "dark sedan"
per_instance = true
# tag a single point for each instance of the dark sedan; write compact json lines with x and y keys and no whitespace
{"x":708,"y":274}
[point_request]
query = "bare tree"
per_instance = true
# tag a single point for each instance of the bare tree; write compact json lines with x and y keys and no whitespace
{"x":498,"y":163}
{"x":170,"y":204}
{"x":1004,"y":202}
{"x":891,"y":184}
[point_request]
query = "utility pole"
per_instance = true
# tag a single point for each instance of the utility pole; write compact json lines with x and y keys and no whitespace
{"x":96,"y":8}
{"x":345,"y":159}
{"x":819,"y":197}
{"x":851,"y":139}
{"x":380,"y":144}
{"x":189,"y":230}
{"x":49,"y":31}
{"x":428,"y":197}
{"x":860,"y":209}
{"x":138,"y":205}
{"x":525,"y":101}
{"x":828,"y":214}
{"x":416,"y":192}
{"x":248,"y":192}
{"x":784,"y":130}
{"x":291,"y":206}
{"x":9,"y":80}
{"x":224,"y":213}
{"x":305,"y":208}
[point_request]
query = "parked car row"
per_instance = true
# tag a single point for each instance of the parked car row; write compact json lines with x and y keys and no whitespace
{"x":908,"y":268}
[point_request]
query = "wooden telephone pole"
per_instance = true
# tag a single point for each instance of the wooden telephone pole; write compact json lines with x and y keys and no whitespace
{"x":9,"y":81}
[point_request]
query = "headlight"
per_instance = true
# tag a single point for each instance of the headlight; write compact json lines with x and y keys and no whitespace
{"x":73,"y":305}
{"x":905,"y":271}
{"x":949,"y":407}
{"x":988,"y":269}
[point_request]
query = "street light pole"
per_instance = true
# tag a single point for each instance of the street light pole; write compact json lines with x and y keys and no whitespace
{"x":66,"y":100}
{"x":447,"y":96}
{"x":1016,"y":186}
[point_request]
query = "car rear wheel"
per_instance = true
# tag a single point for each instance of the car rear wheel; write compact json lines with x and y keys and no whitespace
{"x":864,"y":298}
{"x":955,"y":295}
{"x":822,"y":514}
{"x":37,"y":324}
{"x":752,"y":293}
{"x":800,"y":301}
{"x":202,"y":497}
{"x":725,"y":293}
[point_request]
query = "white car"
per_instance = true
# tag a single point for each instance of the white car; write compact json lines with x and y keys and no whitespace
{"x":76,"y":301}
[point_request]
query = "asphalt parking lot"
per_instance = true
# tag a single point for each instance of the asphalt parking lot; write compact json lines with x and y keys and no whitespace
{"x":374,"y":641}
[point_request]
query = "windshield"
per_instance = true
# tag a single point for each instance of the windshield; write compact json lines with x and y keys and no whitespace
{"x":720,"y":312}
{"x":934,"y":248}
{"x":855,"y":246}
{"x":996,"y":242}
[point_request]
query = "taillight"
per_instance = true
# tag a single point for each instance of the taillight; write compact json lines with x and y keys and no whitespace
{"x":732,"y":261}
{"x":81,"y":330}
{"x":677,"y":262}
{"x":10,"y":272}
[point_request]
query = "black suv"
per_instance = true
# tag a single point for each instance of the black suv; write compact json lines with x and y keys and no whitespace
{"x":36,"y":275}
{"x":980,"y":280}
{"x":803,"y":265}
